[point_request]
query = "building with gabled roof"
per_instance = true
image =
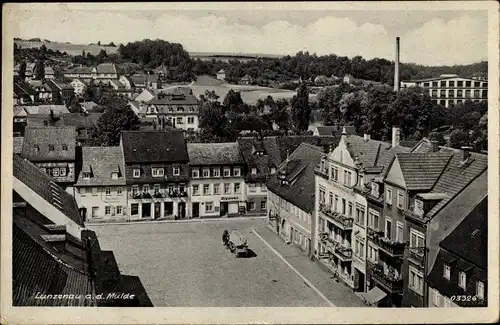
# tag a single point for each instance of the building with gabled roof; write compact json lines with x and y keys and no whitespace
{"x":101,"y":190}
{"x":157,"y":176}
{"x":217,"y":184}
{"x":290,"y":198}
{"x":179,"y":109}
{"x":52,"y":149}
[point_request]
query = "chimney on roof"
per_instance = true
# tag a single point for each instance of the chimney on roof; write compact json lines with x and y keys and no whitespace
{"x":465,"y":153}
{"x":435,"y":146}
{"x":396,"y":133}
{"x":396,"y":67}
{"x":343,"y":135}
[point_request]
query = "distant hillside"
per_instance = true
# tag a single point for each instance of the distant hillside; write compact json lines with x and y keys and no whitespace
{"x":71,"y":49}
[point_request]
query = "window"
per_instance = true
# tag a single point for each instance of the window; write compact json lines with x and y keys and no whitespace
{"x":237,"y":188}
{"x":145,"y":189}
{"x":195,"y":173}
{"x":360,"y":215}
{"x":216,"y":189}
{"x":135,"y":190}
{"x":347,"y":178}
{"x":480,"y":290}
{"x":51,"y":147}
{"x":434,"y":84}
{"x":83,"y":191}
{"x":55,"y":172}
{"x":388,"y":226}
{"x":114,"y":175}
{"x":94,"y":191}
{"x":335,"y":174}
{"x":401,"y":200}
{"x":330,"y":199}
{"x":107,"y":210}
{"x":447,"y":271}
{"x":467,"y":84}
{"x":190,"y":120}
{"x":263,"y":205}
{"x":373,"y":220}
{"x":180,"y":120}
{"x":273,"y":170}
{"x":372,"y":254}
{"x":64,"y":147}
{"x":343,"y":206}
{"x":254,"y":171}
{"x":227,"y":189}
{"x":335,"y":207}
{"x":460,"y":83}
{"x":156,"y":188}
{"x":227,"y":172}
{"x":399,"y":232}
{"x":416,"y":280}
{"x":375,"y":189}
{"x":236,"y":172}
{"x":462,"y":280}
{"x":119,"y":191}
{"x":177,"y":171}
{"x":137,"y":173}
{"x":417,"y":240}
{"x":206,"y":189}
{"x":158,"y":172}
{"x":206,"y":173}
{"x":435,"y":297}
{"x":209,"y":207}
{"x":263,"y":187}
{"x":62,"y":171}
{"x":252,"y":206}
{"x":216,"y":172}
{"x":119,"y":209}
{"x":350,"y":209}
{"x":451,"y":83}
{"x":108,"y":191}
{"x":196,"y":189}
{"x":251,"y":187}
{"x":388,"y":196}
{"x":86,"y":176}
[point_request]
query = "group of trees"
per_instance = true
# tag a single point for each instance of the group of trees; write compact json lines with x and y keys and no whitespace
{"x":375,"y":110}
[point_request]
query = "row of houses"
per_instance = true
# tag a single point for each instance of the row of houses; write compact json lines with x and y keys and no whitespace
{"x":140,"y":179}
{"x":392,"y":223}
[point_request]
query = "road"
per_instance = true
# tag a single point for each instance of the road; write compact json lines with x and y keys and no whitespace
{"x":186,"y":265}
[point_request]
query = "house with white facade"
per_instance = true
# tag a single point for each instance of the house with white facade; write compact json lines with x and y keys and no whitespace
{"x":79,"y":86}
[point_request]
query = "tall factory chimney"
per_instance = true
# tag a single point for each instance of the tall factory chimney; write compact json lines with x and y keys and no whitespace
{"x":396,"y":67}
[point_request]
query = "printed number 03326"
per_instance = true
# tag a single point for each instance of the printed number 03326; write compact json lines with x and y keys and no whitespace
{"x":464,"y":298}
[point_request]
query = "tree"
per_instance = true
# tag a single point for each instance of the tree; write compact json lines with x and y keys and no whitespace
{"x":117,"y":117}
{"x":102,"y":55}
{"x":459,"y":138}
{"x":212,"y":121}
{"x":99,"y":43}
{"x":301,"y":112}
{"x":437,"y":136}
{"x":39,"y":70}
{"x":233,"y":102}
{"x":74,"y":105}
{"x":22,"y":70}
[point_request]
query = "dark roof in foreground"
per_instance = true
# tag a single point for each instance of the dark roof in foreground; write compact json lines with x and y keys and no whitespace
{"x":49,"y":143}
{"x":40,"y":183}
{"x":214,"y":153}
{"x":154,"y":146}
{"x":300,"y":171}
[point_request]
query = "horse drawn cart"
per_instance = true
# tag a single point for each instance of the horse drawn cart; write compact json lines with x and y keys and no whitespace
{"x":237,"y":243}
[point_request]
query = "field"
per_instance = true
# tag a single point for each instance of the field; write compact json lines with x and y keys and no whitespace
{"x":72,"y":49}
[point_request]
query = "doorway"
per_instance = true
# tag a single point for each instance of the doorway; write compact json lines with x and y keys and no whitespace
{"x":146,"y":210}
{"x":223,"y":208}
{"x":182,"y":210}
{"x":83,"y":214}
{"x":196,"y":210}
{"x":157,"y":210}
{"x":168,"y":209}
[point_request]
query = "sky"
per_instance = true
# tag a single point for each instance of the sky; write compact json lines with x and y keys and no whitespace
{"x":429,"y":37}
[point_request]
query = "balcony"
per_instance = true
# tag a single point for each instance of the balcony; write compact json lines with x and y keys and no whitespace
{"x":391,"y":282}
{"x":344,"y":253}
{"x":372,"y":232}
{"x":177,"y":193}
{"x":140,"y":195}
{"x":321,"y":173}
{"x":390,"y":247}
{"x":327,"y":241}
{"x":338,"y":219}
{"x":416,"y":256}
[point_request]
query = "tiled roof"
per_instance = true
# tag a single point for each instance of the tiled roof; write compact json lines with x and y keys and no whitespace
{"x":335,"y":130}
{"x":76,"y":120}
{"x":140,"y":79}
{"x":408,"y":143}
{"x":424,"y":145}
{"x":169,"y":99}
{"x":22,"y":89}
{"x":154,"y":146}
{"x":288,"y":144}
{"x":45,"y":109}
{"x":18,"y":144}
{"x":366,"y":152}
{"x":49,"y":143}
{"x":386,"y":156}
{"x":40,"y":183}
{"x":301,"y":192}
{"x":263,"y":163}
{"x":214,"y":153}
{"x":101,"y":162}
{"x":59,"y":84}
{"x":107,"y":68}
{"x":422,"y":170}
{"x":469,"y":240}
{"x":19,"y":111}
{"x":117,"y":84}
{"x":457,"y":175}
{"x":79,"y":70}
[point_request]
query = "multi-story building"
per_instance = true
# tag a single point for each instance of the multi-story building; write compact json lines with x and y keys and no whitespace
{"x":342,"y":184}
{"x":262,"y":158}
{"x":461,"y":265}
{"x":52,"y":149}
{"x":450,"y":89}
{"x":290,"y":202}
{"x":101,"y":191}
{"x":179,"y":109}
{"x":101,"y":71}
{"x":217,"y":182}
{"x":156,"y":173}
{"x":81,"y":72}
{"x":432,"y":200}
{"x":79,"y":87}
{"x":63,"y":92}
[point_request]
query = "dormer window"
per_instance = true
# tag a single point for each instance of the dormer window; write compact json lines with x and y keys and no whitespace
{"x":273,"y":170}
{"x":419,"y":207}
{"x":137,"y":173}
{"x":254,"y":171}
{"x":388,"y":196}
{"x":86,"y":176}
{"x":375,"y":189}
{"x":45,"y":123}
{"x":51,"y":147}
{"x":64,"y":147}
{"x":447,"y":271}
{"x":177,"y":171}
{"x":180,"y":109}
{"x":323,"y":165}
{"x":157,"y":172}
{"x":37,"y":148}
{"x":462,"y":280}
{"x":114,"y":175}
{"x":480,"y":290}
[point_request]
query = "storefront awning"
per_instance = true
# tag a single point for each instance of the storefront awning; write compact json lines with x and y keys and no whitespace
{"x":373,"y":296}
